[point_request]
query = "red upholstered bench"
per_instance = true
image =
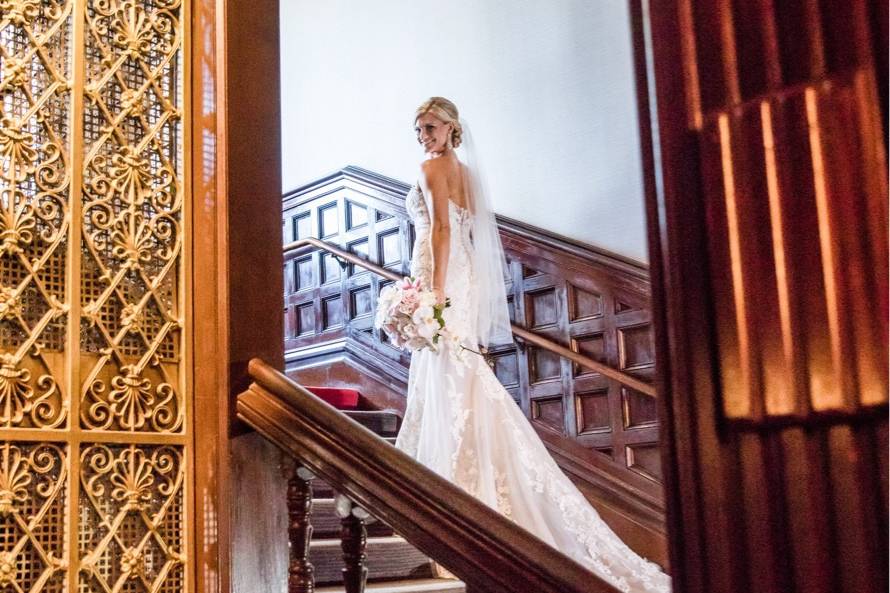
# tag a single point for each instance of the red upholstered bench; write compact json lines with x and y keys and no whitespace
{"x":342,"y":399}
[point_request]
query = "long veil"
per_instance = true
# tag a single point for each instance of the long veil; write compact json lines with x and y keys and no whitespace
{"x":489,"y":263}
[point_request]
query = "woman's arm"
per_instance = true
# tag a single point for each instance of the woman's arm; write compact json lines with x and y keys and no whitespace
{"x":433,"y":177}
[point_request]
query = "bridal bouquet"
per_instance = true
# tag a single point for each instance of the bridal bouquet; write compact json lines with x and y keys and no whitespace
{"x":409,"y":315}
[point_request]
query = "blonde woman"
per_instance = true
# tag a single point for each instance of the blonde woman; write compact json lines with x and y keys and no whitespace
{"x":459,"y":421}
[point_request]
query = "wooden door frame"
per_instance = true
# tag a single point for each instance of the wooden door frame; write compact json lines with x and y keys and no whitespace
{"x":238,"y":278}
{"x":677,"y":271}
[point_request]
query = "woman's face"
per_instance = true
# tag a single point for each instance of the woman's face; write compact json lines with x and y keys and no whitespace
{"x":432,"y":133}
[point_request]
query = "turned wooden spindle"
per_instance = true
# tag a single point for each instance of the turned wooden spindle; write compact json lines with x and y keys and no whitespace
{"x":300,"y":574}
{"x":353,"y":540}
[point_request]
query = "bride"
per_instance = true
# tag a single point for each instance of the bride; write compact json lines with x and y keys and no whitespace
{"x":459,"y":421}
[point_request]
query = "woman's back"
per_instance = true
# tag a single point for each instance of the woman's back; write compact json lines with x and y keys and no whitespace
{"x":447,"y":171}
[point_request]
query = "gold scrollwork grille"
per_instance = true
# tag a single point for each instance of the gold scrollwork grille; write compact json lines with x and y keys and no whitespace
{"x":94,"y":255}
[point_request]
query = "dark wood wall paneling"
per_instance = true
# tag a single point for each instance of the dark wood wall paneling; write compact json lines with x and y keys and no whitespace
{"x":322,"y":298}
{"x":600,"y":307}
{"x":595,"y":302}
{"x":768,"y":240}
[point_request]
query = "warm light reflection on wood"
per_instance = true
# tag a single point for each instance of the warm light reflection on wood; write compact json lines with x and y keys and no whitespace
{"x":736,"y":390}
{"x":690,"y":65}
{"x":870,"y":362}
{"x":825,"y":390}
{"x":729,"y":53}
{"x":779,"y":396}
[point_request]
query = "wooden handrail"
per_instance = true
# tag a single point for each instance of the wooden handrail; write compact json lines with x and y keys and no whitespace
{"x":483,"y":548}
{"x":537,"y":340}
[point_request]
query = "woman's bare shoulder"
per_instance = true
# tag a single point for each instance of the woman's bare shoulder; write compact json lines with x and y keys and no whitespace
{"x":434,"y":170}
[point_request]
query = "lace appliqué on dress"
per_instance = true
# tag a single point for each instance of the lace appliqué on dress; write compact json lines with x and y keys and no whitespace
{"x":422,"y":257}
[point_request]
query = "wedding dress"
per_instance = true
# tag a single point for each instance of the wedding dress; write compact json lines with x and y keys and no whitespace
{"x":461,"y":423}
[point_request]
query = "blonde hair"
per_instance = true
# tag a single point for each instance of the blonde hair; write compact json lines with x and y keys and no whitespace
{"x":445,"y":111}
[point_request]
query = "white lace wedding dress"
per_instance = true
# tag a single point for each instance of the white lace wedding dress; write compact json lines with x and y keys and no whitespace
{"x":461,"y":423}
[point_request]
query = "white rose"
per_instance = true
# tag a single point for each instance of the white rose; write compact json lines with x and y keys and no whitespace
{"x":427,"y":330}
{"x":423,"y":314}
{"x":387,"y":296}
{"x":427,"y":299}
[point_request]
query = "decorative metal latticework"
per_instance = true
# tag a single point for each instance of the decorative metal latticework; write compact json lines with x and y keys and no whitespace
{"x":93,"y":209}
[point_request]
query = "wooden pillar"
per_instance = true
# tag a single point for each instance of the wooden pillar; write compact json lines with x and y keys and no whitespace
{"x":766,"y":200}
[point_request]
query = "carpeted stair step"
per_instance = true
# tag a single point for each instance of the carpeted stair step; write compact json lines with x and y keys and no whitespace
{"x":384,"y":423}
{"x":389,"y":558}
{"x":340,"y":398}
{"x":408,"y":586}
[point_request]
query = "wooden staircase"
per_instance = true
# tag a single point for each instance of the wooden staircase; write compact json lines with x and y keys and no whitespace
{"x":348,"y":235}
{"x":471,"y":540}
{"x":393,"y":564}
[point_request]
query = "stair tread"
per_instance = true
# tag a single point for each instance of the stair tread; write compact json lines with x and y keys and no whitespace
{"x":389,"y":558}
{"x":406,"y":586}
{"x":384,"y":423}
{"x":335,"y":542}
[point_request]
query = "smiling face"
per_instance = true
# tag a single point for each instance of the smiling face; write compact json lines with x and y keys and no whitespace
{"x":432,"y":133}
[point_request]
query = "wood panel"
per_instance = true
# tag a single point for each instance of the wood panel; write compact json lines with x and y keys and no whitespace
{"x":596,"y":303}
{"x":766,"y":200}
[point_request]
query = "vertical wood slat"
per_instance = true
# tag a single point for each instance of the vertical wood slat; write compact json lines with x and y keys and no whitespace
{"x":808,"y":512}
{"x":353,"y":541}
{"x":762,"y":563}
{"x":860,"y":562}
{"x":733,"y":368}
{"x":783,"y":395}
{"x":792,"y":218}
{"x":801,"y":51}
{"x":300,"y":573}
{"x":717,"y":70}
{"x":869,"y":315}
{"x":755,"y":35}
{"x":827,"y":390}
{"x":803,"y":250}
{"x":760,"y":251}
{"x":858,"y":370}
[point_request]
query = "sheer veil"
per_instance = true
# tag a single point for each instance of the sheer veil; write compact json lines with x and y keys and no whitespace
{"x":489,"y":264}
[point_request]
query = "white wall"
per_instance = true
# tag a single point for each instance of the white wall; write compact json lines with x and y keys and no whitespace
{"x":547,"y":86}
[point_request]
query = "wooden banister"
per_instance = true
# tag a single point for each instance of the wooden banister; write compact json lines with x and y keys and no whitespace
{"x":483,"y":548}
{"x":530,"y":337}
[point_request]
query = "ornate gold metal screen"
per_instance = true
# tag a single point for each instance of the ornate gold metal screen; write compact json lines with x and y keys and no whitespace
{"x":95,"y":455}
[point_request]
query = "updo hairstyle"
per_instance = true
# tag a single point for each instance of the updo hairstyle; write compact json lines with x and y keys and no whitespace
{"x":445,"y":111}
